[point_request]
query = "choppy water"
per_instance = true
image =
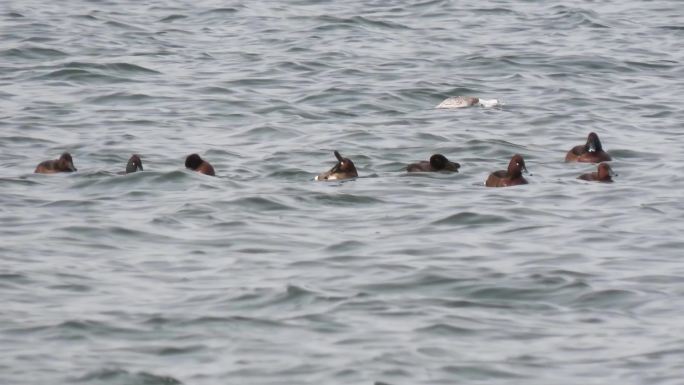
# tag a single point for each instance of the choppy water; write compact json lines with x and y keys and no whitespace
{"x":263,"y":276}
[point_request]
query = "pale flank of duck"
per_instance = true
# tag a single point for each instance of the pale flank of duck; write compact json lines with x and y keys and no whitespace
{"x":329,"y":178}
{"x":467,"y":101}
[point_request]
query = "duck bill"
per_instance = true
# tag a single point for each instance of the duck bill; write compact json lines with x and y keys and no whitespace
{"x":140,"y":167}
{"x":451,"y":166}
{"x":72,"y":167}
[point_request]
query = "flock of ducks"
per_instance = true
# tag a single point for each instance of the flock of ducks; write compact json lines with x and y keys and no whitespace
{"x":590,"y":152}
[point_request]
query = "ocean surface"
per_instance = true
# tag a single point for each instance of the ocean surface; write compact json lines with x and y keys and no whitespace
{"x":262,"y":275}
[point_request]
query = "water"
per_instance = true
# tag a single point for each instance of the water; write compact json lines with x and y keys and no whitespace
{"x":263,"y":276}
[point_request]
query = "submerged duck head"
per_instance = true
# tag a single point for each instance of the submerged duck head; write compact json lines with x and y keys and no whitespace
{"x":343,"y":169}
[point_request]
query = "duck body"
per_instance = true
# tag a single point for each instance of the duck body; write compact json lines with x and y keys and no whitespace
{"x":604,"y":173}
{"x":510,"y":177}
{"x":590,"y":152}
{"x":65,"y":163}
{"x":437,"y":162}
{"x":466,"y":101}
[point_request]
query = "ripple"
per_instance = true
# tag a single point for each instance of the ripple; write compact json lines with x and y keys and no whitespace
{"x":445,"y":330}
{"x":95,"y":72}
{"x":341,"y":199}
{"x":80,"y":75}
{"x":83,"y":329}
{"x":33,"y":53}
{"x":170,"y":18}
{"x":471,"y":219}
{"x":171,"y":350}
{"x":121,"y":376}
{"x":12,"y":280}
{"x":333,"y":22}
{"x":612,"y":298}
{"x":73,"y":288}
{"x":260,"y":204}
{"x":125,"y":26}
{"x":476,"y":373}
{"x":125,"y":97}
{"x":250,"y":322}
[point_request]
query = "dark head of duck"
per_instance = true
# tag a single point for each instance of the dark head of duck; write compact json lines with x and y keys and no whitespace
{"x":134,"y":164}
{"x":440,"y":162}
{"x":593,"y":143}
{"x":516,"y":166}
{"x":66,"y":163}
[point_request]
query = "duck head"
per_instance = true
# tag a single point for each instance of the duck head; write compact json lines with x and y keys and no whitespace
{"x":605,"y":172}
{"x":134,"y":164}
{"x":66,"y":162}
{"x":516,"y":166}
{"x":343,"y":169}
{"x":193,"y":161}
{"x":593,"y":143}
{"x":440,"y":162}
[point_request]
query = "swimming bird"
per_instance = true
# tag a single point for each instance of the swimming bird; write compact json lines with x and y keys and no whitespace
{"x":604,"y":173}
{"x":64,"y":164}
{"x":437,"y":162}
{"x":511,"y":177}
{"x":590,"y":152}
{"x":467,"y":101}
{"x":195,"y":163}
{"x":343,"y":169}
{"x":134,"y":164}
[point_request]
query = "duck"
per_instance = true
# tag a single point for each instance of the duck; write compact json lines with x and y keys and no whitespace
{"x":467,"y":101}
{"x":604,"y":173}
{"x":437,"y":162}
{"x":65,"y":163}
{"x":590,"y":152}
{"x":511,"y":177}
{"x":134,"y":164}
{"x":195,"y":163}
{"x":343,"y":169}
